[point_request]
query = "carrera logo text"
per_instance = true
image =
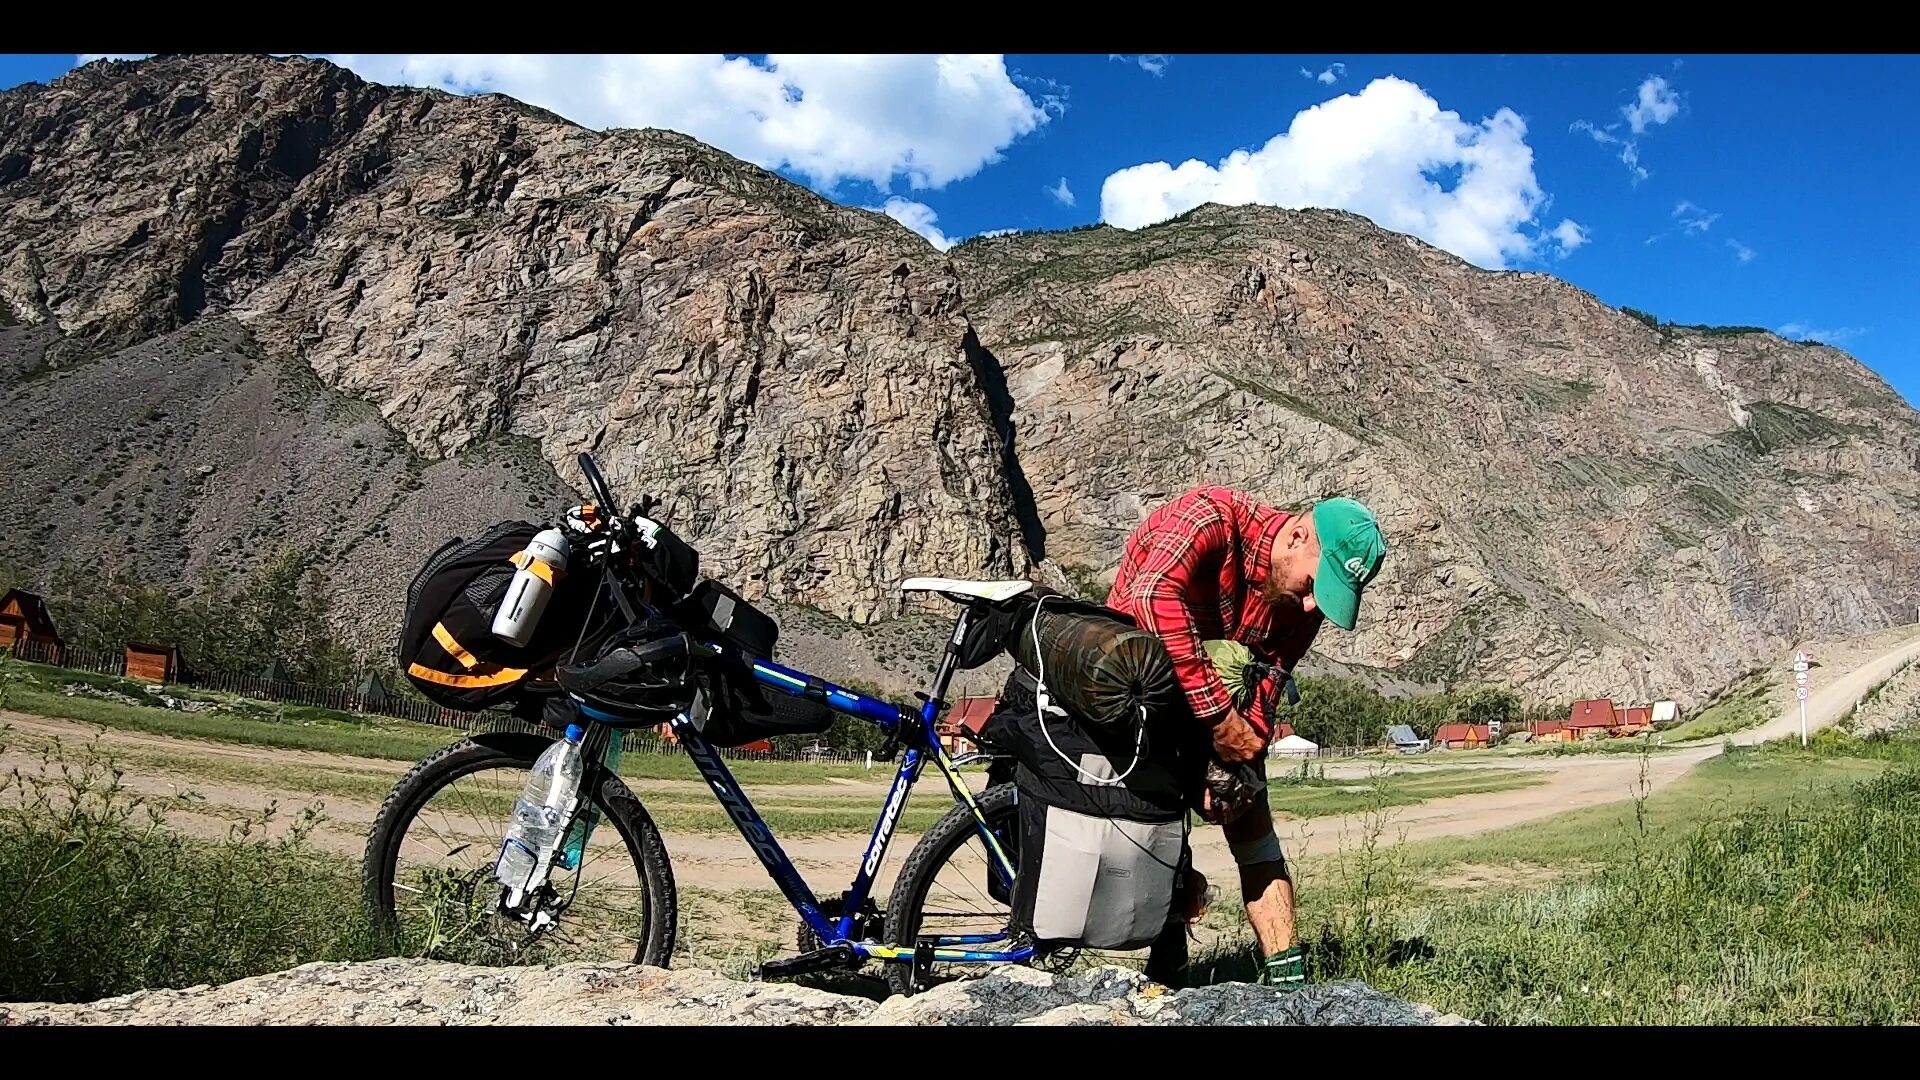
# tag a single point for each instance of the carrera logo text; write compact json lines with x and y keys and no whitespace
{"x":886,"y":829}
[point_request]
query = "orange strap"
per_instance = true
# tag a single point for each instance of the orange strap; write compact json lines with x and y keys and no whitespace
{"x":527,"y":562}
{"x":454,"y":648}
{"x":466,"y":682}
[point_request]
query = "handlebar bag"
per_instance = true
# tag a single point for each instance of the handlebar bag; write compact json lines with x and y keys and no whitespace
{"x":447,"y":647}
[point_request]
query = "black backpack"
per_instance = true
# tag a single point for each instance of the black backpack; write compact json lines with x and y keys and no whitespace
{"x":447,"y":647}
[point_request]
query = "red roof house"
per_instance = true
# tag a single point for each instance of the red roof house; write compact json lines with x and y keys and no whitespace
{"x":1592,"y":719}
{"x":1636,"y":719}
{"x":1461,"y":736}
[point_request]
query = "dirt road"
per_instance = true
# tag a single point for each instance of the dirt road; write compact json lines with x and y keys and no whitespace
{"x":1826,"y":704}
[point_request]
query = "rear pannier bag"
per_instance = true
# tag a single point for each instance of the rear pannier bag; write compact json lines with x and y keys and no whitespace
{"x":1100,"y":845}
{"x":447,"y":647}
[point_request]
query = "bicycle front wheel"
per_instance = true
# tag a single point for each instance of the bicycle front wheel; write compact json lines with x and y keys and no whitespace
{"x":428,"y":871}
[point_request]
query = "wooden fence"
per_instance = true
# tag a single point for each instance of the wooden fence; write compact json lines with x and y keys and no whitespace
{"x":383,"y":702}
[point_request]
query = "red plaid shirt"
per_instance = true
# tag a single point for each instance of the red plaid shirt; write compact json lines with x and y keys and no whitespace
{"x":1192,"y":573}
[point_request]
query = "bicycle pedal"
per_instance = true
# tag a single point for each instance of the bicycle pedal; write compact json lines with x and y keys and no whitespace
{"x":828,"y":959}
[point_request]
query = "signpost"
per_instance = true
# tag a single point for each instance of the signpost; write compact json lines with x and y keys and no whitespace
{"x":1801,"y":661}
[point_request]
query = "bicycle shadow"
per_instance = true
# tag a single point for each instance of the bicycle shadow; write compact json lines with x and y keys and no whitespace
{"x":849,"y":983}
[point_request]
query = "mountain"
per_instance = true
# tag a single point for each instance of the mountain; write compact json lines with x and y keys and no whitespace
{"x":252,"y":301}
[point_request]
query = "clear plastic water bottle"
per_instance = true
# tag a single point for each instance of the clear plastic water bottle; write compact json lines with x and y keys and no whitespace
{"x":553,"y":786}
{"x":576,"y":842}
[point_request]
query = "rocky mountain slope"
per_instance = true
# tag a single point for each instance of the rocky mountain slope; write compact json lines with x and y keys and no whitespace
{"x":414,"y":992}
{"x":1577,"y":501}
{"x":254,"y":300}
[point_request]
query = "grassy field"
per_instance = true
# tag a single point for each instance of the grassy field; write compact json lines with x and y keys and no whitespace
{"x":294,"y":727}
{"x":105,"y":899}
{"x":1744,"y":705}
{"x":1770,"y":886}
{"x":251,"y":723}
{"x":1318,"y":797}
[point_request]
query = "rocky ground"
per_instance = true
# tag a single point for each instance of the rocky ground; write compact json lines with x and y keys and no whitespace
{"x":422,"y":993}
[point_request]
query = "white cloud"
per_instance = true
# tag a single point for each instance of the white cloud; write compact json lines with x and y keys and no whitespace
{"x":1742,"y":252}
{"x":1062,"y":192}
{"x":929,"y":119}
{"x":1655,"y":238}
{"x":1152,"y":63}
{"x":1655,"y":103}
{"x":916,"y":216}
{"x":1629,"y":150}
{"x":1803,"y":332}
{"x":1371,"y":153}
{"x":1331,"y":75}
{"x":1570,"y":234}
{"x":1695,"y":219}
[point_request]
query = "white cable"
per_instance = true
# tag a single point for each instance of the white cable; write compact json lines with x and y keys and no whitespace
{"x":1041,"y":705}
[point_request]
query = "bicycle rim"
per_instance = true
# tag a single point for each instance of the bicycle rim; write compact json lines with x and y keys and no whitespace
{"x":440,"y":897}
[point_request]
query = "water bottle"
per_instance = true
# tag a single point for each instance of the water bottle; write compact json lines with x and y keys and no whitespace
{"x":553,"y":787}
{"x":541,"y":564}
{"x":576,"y":842}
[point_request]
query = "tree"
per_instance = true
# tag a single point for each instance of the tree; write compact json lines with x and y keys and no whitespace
{"x":1486,"y":705}
{"x":279,"y":613}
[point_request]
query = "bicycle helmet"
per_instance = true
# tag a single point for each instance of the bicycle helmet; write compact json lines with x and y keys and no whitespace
{"x":643,"y":673}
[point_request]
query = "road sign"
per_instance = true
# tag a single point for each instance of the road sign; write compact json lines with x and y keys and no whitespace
{"x":1801,"y":693}
{"x":1800,"y":677}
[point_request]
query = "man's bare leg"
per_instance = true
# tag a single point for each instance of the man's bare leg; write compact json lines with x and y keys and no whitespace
{"x":1265,"y":886}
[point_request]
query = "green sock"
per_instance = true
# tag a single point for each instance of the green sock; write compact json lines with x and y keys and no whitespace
{"x":1285,"y":970}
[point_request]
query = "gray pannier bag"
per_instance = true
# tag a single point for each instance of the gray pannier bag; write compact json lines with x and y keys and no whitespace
{"x":1102,"y":817}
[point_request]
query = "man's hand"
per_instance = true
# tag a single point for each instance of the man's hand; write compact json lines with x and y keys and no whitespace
{"x":1234,"y":739}
{"x":1225,"y":795}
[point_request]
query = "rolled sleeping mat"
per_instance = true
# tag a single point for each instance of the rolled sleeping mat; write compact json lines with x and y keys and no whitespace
{"x":1099,"y":669}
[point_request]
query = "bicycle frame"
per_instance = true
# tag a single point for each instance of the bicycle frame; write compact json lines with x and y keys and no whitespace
{"x":917,"y":731}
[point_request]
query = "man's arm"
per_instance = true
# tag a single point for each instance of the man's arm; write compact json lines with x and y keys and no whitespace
{"x":1174,"y":562}
{"x":1286,"y":654}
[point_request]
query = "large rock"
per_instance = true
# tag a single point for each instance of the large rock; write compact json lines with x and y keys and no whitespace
{"x":419,"y":992}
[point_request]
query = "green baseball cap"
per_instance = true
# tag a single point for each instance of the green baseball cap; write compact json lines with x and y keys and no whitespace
{"x":1351,"y":550}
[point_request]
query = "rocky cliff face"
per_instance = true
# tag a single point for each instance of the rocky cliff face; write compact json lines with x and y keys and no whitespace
{"x":787,"y":374}
{"x":1577,"y":502}
{"x":463,"y":293}
{"x":415,"y":992}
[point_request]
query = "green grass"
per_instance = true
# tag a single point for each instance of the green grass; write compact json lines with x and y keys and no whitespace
{"x":1770,"y":886}
{"x":104,"y":899}
{"x":1713,"y":788}
{"x":392,"y":739}
{"x":1622,"y":745}
{"x":298,"y":727}
{"x":1744,"y":707}
{"x":1322,"y":798}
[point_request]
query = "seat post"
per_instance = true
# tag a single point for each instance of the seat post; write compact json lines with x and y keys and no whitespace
{"x":943,"y":675}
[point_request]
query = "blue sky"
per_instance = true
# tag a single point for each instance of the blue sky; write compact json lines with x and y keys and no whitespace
{"x":1773,"y":191}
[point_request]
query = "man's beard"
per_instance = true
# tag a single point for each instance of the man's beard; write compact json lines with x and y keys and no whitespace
{"x":1286,"y":602}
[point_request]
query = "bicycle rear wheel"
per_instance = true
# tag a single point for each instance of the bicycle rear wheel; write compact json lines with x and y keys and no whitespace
{"x":427,"y":873}
{"x":948,"y":887}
